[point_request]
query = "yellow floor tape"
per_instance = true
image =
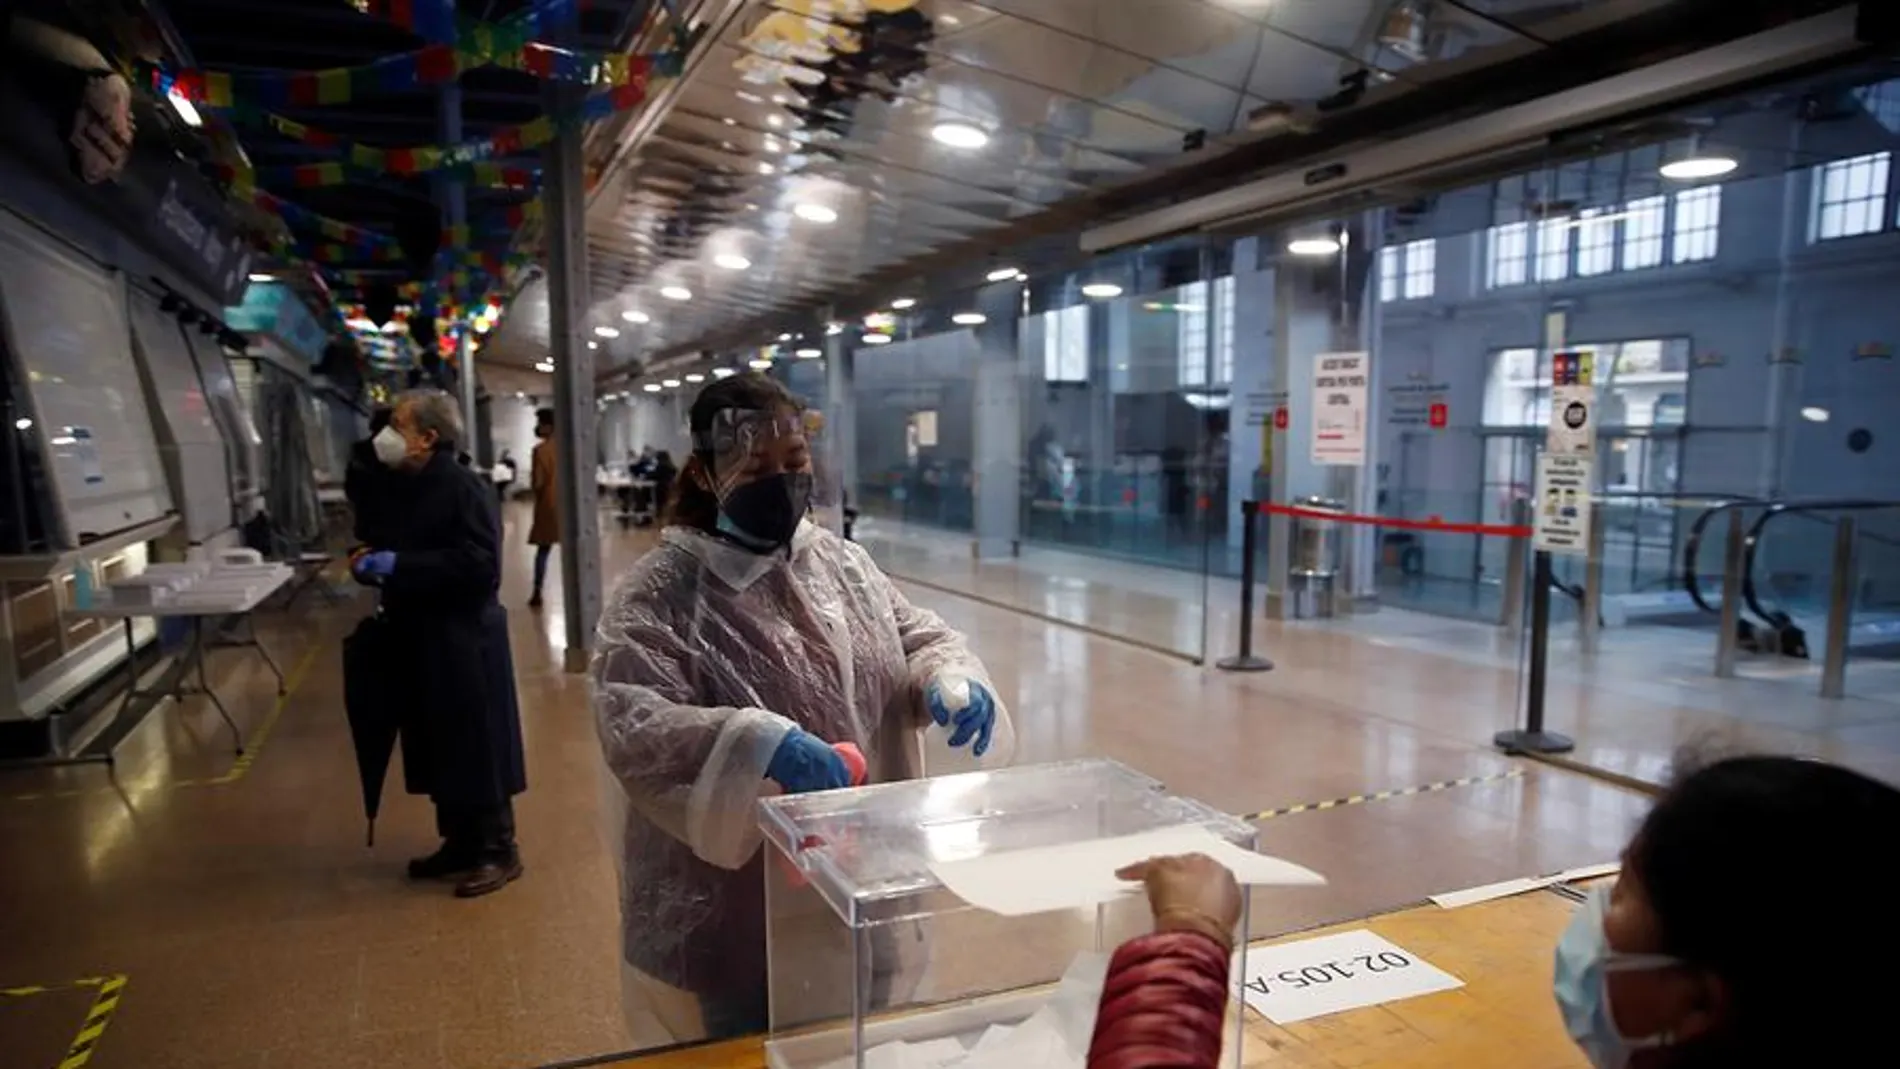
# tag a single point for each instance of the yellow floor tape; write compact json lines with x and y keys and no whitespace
{"x":104,"y":1004}
{"x":1381,"y":796}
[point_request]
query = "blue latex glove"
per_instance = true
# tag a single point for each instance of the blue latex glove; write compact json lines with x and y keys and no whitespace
{"x":803,"y":762}
{"x":973,"y":713}
{"x":378,"y":565}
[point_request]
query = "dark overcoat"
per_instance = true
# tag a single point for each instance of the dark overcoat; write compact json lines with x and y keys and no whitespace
{"x":461,"y":726}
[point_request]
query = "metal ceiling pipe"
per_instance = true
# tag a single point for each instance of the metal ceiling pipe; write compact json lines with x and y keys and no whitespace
{"x":1516,"y":128}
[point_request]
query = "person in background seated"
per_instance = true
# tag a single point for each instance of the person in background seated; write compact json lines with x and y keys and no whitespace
{"x":437,"y":560}
{"x":1165,"y":1000}
{"x":543,"y":475}
{"x":730,"y":663}
{"x":1746,"y":928}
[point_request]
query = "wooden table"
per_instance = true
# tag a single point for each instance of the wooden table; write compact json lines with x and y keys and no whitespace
{"x":1503,"y":1018}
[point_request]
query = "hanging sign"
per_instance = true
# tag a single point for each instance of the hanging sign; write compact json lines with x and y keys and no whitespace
{"x":1339,"y":408}
{"x":1563,"y":504}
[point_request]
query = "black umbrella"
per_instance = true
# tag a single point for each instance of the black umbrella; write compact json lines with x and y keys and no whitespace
{"x":374,"y":708}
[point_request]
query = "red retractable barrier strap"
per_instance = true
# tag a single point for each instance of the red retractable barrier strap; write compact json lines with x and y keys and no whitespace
{"x":1436,"y":526}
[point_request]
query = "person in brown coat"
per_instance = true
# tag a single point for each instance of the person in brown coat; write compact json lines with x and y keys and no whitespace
{"x":545,"y":532}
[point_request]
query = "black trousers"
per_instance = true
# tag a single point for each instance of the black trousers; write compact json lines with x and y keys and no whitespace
{"x":479,"y":832}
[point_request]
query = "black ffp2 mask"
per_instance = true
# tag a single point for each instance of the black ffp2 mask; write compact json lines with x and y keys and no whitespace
{"x":764,"y":514}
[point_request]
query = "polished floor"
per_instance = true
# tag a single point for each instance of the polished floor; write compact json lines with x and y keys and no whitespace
{"x":255,"y":928}
{"x":1630,"y":705}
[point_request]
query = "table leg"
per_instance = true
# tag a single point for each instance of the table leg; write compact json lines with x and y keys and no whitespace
{"x":257,"y":644}
{"x":204,"y":682}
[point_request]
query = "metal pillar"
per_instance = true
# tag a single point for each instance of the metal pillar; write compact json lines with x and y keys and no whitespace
{"x":1590,"y":606}
{"x":1729,"y":637}
{"x":575,"y":425}
{"x":841,"y":425}
{"x":455,"y":193}
{"x":1840,"y":612}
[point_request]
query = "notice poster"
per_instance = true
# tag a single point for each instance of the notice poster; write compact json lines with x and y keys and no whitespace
{"x":1563,"y":505}
{"x":1340,"y":382}
{"x":1573,"y":421}
{"x":1334,"y":973}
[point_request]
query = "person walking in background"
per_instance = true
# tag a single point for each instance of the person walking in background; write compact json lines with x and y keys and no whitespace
{"x":545,"y":532}
{"x":437,"y":561}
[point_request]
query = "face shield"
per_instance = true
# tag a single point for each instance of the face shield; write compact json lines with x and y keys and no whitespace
{"x":763,"y":469}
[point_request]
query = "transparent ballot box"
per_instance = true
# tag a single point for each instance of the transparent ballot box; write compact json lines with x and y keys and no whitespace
{"x":874,"y":964}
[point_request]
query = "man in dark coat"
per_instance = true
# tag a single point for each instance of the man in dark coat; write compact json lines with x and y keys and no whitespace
{"x":366,"y":483}
{"x":438,"y":563}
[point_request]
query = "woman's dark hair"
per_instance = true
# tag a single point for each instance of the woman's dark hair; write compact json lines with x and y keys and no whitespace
{"x":379,"y":418}
{"x":691,"y":504}
{"x":1776,"y":874}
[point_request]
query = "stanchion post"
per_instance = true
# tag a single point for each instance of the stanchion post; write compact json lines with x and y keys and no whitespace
{"x":1728,"y":637}
{"x":1840,"y":612}
{"x":1516,"y":567}
{"x":1245,"y":661}
{"x":1532,"y":738}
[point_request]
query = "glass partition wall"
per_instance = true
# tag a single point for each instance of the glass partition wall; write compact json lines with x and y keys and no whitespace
{"x":1077,"y":443}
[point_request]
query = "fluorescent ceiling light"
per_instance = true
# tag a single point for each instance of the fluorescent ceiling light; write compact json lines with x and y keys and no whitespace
{"x":676,"y":293}
{"x":808,"y":353}
{"x":750,"y":98}
{"x":184,"y":107}
{"x":262,"y":276}
{"x":815,"y":213}
{"x":593,"y":345}
{"x":1815,"y":415}
{"x":904,"y":302}
{"x":775,"y":121}
{"x":766,"y":168}
{"x":651,"y":387}
{"x":969,"y":319}
{"x":770,"y":144}
{"x":22,"y":424}
{"x":1688,"y":170}
{"x":960,"y":134}
{"x":834,"y":329}
{"x":607,"y":332}
{"x":787,"y":336}
{"x":732,"y":261}
{"x":1003,"y":274}
{"x":1101,"y":290}
{"x":761,"y":364}
{"x":726,"y":372}
{"x":636,"y":316}
{"x":695,"y":377}
{"x":544,"y":366}
{"x":877,"y":339}
{"x":1313,"y":246}
{"x":670,"y":384}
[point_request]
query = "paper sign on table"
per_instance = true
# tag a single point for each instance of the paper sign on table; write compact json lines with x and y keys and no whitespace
{"x":1016,"y":883}
{"x":1334,"y":973}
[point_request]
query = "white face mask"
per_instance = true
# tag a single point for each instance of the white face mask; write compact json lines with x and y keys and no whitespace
{"x":390,"y":447}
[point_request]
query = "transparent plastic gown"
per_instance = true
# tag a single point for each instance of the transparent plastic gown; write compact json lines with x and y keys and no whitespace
{"x":707,"y":656}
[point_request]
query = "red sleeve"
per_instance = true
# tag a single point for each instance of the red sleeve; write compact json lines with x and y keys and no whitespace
{"x":1164,"y":1005}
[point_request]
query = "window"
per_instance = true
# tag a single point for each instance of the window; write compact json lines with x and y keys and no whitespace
{"x":1065,"y":344}
{"x":1643,"y":381}
{"x":1409,"y":271}
{"x":1698,"y":224}
{"x":1850,"y":197}
{"x":1596,"y":242}
{"x":1643,"y":232}
{"x":1507,"y":262}
{"x":1553,"y":250}
{"x":1194,"y":311}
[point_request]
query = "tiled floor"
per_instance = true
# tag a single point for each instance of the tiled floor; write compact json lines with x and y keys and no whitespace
{"x":258,"y":930}
{"x":1646,"y":692}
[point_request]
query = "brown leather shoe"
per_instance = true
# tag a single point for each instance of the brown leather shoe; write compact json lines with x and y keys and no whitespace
{"x":489,"y":877}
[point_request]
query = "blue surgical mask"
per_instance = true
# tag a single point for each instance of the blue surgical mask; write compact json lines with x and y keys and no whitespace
{"x":1582,"y":986}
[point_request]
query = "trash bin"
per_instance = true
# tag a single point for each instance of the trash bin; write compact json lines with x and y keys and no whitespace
{"x":1315,"y":563}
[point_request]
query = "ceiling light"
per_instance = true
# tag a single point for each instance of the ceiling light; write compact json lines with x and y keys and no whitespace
{"x":732,"y":261}
{"x":832,"y":330}
{"x":1101,"y":290}
{"x":676,"y":293}
{"x":729,"y":121}
{"x":671,"y":384}
{"x":695,"y":377}
{"x":771,"y":144}
{"x":760,"y":364}
{"x":22,"y":424}
{"x":1313,"y":246}
{"x":544,"y":366}
{"x":651,"y":387}
{"x":1003,"y":274}
{"x":774,"y":121}
{"x":184,"y":107}
{"x":766,"y":168}
{"x":815,"y":213}
{"x":261,"y":276}
{"x":808,"y":353}
{"x":904,"y":302}
{"x":877,"y":339}
{"x":1815,"y":415}
{"x":1695,"y":167}
{"x":607,"y":332}
{"x":636,"y":316}
{"x":969,"y":319}
{"x":787,"y":336}
{"x":593,"y":345}
{"x":960,"y":134}
{"x":750,"y":98}
{"x":778,"y":98}
{"x":726,"y":372}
